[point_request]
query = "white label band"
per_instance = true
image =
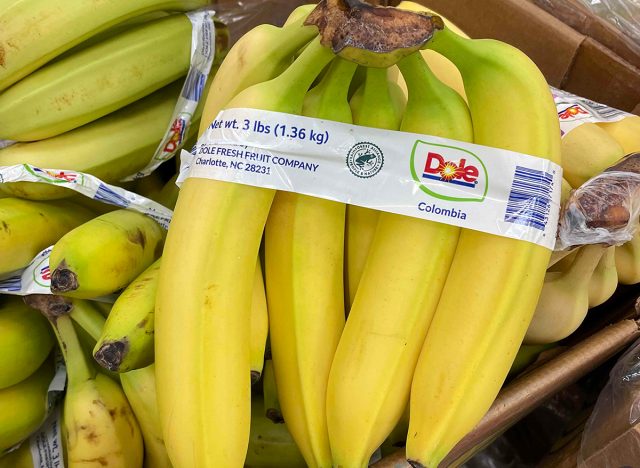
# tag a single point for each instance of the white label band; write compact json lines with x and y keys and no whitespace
{"x":471,"y":186}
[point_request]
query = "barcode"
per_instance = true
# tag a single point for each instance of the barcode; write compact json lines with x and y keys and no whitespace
{"x":530,"y":198}
{"x":106,"y":195}
{"x":13,"y":284}
{"x":194,"y":85}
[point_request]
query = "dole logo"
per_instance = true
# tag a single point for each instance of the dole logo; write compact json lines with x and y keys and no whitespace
{"x":448,"y":172}
{"x":571,"y":112}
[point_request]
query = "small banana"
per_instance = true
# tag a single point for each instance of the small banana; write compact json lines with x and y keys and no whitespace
{"x":23,"y":406}
{"x":25,"y":341}
{"x":99,"y":426}
{"x":604,"y":280}
{"x":105,"y":254}
{"x":27,"y":227}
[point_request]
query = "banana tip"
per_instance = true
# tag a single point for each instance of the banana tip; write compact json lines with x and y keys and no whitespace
{"x":111,"y":354}
{"x":63,"y":279}
{"x":255,"y":376}
{"x":415,"y":464}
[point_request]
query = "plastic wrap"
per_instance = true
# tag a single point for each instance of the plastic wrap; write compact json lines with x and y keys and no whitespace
{"x":605,"y":209}
{"x":616,"y":414}
{"x":623,"y":14}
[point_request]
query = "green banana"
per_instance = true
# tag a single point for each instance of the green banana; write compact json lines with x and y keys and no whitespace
{"x":19,"y":458}
{"x":371,"y":373}
{"x":23,"y":406}
{"x":110,"y":148}
{"x":211,"y":277}
{"x":96,"y":81}
{"x":27,"y":227}
{"x":32,"y":32}
{"x":105,"y":254}
{"x":169,"y":194}
{"x":378,"y":103}
{"x":25,"y":341}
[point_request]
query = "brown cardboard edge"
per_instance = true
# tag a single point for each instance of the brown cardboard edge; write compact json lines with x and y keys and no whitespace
{"x":531,"y":389}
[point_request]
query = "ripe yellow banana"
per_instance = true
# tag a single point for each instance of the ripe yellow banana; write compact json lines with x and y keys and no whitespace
{"x":628,"y":261}
{"x":371,"y":373}
{"x":604,"y":280}
{"x":32,"y":32}
{"x":111,"y":148}
{"x":27,"y":227}
{"x":304,"y":261}
{"x":259,"y":324}
{"x":97,"y":80}
{"x":140,"y":388}
{"x":564,"y":300}
{"x":494,"y":282}
{"x":203,"y":359}
{"x":105,"y":254}
{"x":25,"y":341}
{"x":377,"y":103}
{"x":271,"y":403}
{"x":23,"y":406}
{"x":587,"y":150}
{"x":99,"y":426}
{"x":626,"y":132}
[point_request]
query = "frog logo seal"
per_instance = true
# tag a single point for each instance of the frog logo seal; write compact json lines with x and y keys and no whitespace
{"x":365,"y":160}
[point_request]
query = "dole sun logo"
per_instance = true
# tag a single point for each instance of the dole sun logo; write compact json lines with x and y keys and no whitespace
{"x":572,"y":111}
{"x":448,"y":172}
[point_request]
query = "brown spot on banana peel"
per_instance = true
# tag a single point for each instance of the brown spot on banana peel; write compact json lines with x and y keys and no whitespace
{"x":369,"y":35}
{"x":5,"y":227}
{"x":63,"y":279}
{"x":111,"y":354}
{"x":138,"y":237}
{"x":50,"y":306}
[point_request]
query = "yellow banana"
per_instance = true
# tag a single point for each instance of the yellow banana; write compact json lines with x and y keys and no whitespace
{"x":564,"y":300}
{"x":271,"y":403}
{"x":377,"y":104}
{"x":140,"y":388}
{"x":105,"y":254}
{"x":211,"y":276}
{"x":25,"y":341}
{"x":628,"y":261}
{"x":27,"y":227}
{"x":304,"y":261}
{"x":494,"y":282}
{"x":259,"y":325}
{"x":97,"y":80}
{"x":397,"y":295}
{"x":32,"y":32}
{"x":604,"y":280}
{"x":23,"y":406}
{"x":588,"y":150}
{"x":99,"y":426}
{"x":626,"y":132}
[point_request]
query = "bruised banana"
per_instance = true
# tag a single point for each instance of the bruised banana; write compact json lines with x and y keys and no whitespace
{"x":377,"y":103}
{"x":205,"y":417}
{"x":32,"y":32}
{"x":98,"y":423}
{"x":305,"y":290}
{"x":626,"y":132}
{"x":25,"y":341}
{"x":503,"y":276}
{"x":604,"y":280}
{"x":97,"y":80}
{"x":564,"y":300}
{"x":371,"y":373}
{"x":27,"y":227}
{"x":110,"y":148}
{"x":105,"y":254}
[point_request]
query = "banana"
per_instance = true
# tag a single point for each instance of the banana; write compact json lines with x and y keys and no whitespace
{"x":259,"y":326}
{"x":372,"y":369}
{"x":27,"y":227}
{"x":305,"y":292}
{"x":105,"y":254}
{"x":140,"y":388}
{"x":483,"y":327}
{"x":210,"y":276}
{"x":271,"y":403}
{"x":149,"y":186}
{"x":25,"y":341}
{"x":32,"y":32}
{"x":628,"y":261}
{"x":97,"y":80}
{"x":527,"y":355}
{"x":270,"y":444}
{"x":126,"y":342}
{"x":23,"y":406}
{"x":168,"y":196}
{"x":604,"y":280}
{"x":626,"y":132}
{"x":19,"y":458}
{"x":588,"y":150}
{"x":564,"y":300}
{"x":99,"y":427}
{"x":377,"y":103}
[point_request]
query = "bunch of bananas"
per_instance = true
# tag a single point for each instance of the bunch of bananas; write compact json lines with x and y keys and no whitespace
{"x":267,"y":328}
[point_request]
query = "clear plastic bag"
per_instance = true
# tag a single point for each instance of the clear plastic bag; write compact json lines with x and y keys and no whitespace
{"x":616,"y":411}
{"x":623,"y":14}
